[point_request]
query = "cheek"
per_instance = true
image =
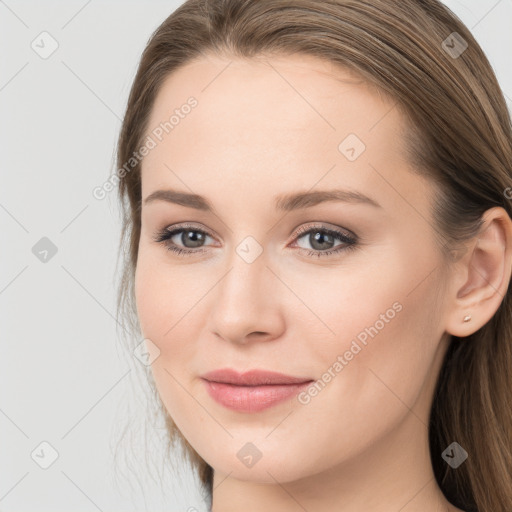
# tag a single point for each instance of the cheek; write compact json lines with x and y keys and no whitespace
{"x":373,"y":370}
{"x":171,"y":314}
{"x":163,"y":301}
{"x":163,"y":295}
{"x":148,"y":298}
{"x":382,"y":319}
{"x":385,"y":341}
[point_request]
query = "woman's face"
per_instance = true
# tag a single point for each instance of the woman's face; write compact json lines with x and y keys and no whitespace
{"x":280,"y":151}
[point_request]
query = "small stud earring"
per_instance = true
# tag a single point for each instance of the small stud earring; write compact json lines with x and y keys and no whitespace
{"x":467,"y":318}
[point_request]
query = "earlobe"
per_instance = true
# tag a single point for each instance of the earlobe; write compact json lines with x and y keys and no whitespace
{"x":486,"y":270}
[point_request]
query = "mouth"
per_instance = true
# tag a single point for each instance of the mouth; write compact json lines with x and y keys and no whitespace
{"x":252,"y":391}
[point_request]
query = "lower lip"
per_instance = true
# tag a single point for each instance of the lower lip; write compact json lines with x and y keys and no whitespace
{"x":252,"y":398}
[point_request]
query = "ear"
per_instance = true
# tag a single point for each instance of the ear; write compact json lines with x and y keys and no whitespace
{"x":482,"y":275}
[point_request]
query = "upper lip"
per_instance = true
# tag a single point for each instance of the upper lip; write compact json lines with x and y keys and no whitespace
{"x":252,"y":377}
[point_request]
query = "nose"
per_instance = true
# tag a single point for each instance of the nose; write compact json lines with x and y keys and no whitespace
{"x":246,"y":304}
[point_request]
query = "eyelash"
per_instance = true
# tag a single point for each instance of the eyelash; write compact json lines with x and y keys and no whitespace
{"x":348,"y":242}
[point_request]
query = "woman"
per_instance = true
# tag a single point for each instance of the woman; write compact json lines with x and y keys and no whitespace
{"x":318,"y":238}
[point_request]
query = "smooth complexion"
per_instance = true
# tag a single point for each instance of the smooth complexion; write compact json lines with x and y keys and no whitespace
{"x":262,"y":130}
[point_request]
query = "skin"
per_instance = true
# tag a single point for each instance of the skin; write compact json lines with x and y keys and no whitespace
{"x":263,"y":128}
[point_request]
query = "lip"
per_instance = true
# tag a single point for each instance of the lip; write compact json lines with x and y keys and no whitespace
{"x":252,"y":391}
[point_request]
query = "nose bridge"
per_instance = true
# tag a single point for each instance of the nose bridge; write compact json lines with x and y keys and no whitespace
{"x":243,"y":302}
{"x":244,"y":285}
{"x":247,"y":262}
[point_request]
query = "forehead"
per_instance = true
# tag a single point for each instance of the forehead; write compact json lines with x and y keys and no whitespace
{"x":298,"y":87}
{"x":272,"y":122}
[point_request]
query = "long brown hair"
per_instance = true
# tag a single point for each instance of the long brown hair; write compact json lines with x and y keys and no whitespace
{"x":421,"y":55}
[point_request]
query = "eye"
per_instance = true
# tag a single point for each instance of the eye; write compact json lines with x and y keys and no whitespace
{"x":189,"y":236}
{"x":322,"y":240}
{"x":187,"y":240}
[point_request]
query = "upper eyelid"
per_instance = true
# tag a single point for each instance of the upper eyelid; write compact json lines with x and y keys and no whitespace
{"x":185,"y":226}
{"x":324,"y":227}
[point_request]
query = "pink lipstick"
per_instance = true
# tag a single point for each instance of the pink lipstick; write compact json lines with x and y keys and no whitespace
{"x":252,"y":391}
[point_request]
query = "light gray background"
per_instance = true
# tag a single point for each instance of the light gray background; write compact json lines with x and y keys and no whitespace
{"x":64,"y":377}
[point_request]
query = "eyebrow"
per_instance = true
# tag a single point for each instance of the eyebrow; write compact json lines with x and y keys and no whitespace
{"x":285,"y":202}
